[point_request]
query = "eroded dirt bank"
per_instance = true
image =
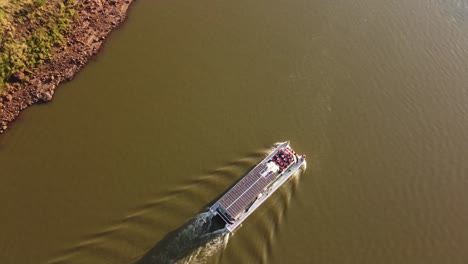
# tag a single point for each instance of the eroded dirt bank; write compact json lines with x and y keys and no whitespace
{"x":93,"y":21}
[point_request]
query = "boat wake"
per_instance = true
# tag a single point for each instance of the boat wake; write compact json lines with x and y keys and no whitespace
{"x":194,"y":242}
{"x":205,"y":253}
{"x":200,"y":239}
{"x":129,"y":239}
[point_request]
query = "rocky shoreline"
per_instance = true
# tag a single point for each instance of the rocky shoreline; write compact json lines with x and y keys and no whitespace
{"x":92,"y":24}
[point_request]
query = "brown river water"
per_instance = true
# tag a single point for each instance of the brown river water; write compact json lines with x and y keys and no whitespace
{"x":187,"y":96}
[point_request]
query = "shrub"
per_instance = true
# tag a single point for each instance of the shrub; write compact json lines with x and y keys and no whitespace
{"x":24,"y":51}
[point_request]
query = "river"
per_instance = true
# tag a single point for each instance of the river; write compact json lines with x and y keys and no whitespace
{"x":187,"y":96}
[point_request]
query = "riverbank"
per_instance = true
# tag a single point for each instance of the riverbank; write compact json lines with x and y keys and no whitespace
{"x":48,"y":42}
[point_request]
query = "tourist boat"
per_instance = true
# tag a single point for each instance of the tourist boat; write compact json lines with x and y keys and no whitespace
{"x":257,"y":185}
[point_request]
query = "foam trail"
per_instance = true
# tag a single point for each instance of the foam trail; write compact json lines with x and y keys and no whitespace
{"x":206,"y":252}
{"x":196,"y":239}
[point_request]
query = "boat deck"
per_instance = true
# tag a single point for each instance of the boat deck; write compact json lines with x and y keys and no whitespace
{"x":245,"y":191}
{"x":286,"y":176}
{"x":247,"y":194}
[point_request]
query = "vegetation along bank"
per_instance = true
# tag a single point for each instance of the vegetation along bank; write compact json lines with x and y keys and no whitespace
{"x":46,"y":42}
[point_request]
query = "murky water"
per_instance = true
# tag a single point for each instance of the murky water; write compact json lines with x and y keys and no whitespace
{"x":187,"y":96}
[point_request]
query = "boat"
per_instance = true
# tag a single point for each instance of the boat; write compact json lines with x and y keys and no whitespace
{"x":257,"y":185}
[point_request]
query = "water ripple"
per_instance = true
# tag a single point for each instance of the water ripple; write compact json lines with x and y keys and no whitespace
{"x":127,"y":240}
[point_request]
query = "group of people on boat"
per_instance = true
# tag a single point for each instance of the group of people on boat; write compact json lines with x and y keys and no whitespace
{"x":283,"y":158}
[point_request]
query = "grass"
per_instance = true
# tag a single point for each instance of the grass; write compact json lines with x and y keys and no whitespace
{"x":29,"y":30}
